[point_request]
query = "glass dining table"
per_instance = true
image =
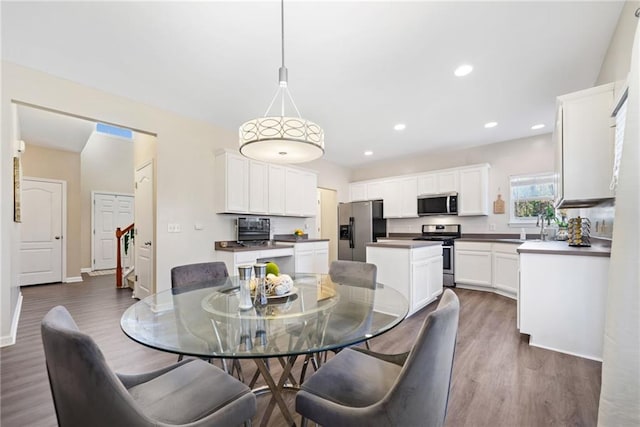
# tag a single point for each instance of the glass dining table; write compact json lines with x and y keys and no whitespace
{"x":204,"y":320}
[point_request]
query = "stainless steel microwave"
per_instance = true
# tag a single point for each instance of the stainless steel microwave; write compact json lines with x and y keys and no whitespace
{"x":441,"y":204}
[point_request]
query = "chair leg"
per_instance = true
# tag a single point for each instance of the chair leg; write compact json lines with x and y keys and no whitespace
{"x":247,"y":423}
{"x":366,"y":344}
{"x":180,"y":357}
{"x":303,"y":421}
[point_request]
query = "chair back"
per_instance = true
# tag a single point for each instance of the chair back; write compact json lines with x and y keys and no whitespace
{"x":195,"y":273}
{"x":354,"y":273}
{"x":421,"y":391}
{"x":85,"y":390}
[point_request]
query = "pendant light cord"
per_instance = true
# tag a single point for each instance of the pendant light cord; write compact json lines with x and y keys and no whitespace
{"x":282,"y":28}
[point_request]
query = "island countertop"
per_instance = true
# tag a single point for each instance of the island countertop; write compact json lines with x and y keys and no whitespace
{"x":554,"y":247}
{"x":403,"y":244}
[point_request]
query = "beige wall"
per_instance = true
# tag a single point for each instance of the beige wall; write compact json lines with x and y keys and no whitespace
{"x":617,"y":60}
{"x":106,"y":164}
{"x":40,"y":162}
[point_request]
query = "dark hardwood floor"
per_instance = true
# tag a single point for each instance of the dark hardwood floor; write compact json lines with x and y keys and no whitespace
{"x":498,"y":380}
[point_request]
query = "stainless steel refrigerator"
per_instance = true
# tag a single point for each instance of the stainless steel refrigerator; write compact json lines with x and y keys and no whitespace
{"x":359,"y":224}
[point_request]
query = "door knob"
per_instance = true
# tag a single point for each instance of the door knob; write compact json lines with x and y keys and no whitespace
{"x":57,"y":237}
{"x":147,"y":243}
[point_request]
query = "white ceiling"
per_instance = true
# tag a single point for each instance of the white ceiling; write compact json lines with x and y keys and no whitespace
{"x":355,"y":68}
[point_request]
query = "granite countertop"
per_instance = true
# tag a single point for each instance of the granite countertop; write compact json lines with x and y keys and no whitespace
{"x":403,"y":244}
{"x":554,"y":247}
{"x":491,"y":240}
{"x":236,"y":247}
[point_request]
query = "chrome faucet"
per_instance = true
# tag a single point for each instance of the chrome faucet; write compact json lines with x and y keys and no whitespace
{"x":540,"y":223}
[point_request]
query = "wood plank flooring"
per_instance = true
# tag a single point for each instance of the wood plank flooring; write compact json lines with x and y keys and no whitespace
{"x":498,"y":379}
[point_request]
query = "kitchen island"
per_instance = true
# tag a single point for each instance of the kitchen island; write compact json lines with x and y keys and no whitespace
{"x":412,"y":267}
{"x":562,"y":298}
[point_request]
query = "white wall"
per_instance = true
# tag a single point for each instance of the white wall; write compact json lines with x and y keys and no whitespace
{"x":521,"y":156}
{"x":184,"y":163}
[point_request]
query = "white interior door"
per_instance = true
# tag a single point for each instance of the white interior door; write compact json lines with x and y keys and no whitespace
{"x":110,"y":211}
{"x":144,"y":241}
{"x":41,"y":232}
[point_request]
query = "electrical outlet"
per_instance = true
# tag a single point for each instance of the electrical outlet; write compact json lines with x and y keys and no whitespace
{"x":492,"y":227}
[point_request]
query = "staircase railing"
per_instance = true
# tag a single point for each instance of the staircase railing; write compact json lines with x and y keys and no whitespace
{"x":119,"y":234}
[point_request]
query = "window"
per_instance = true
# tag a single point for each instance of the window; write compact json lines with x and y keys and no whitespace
{"x":530,"y":196}
{"x":114,"y":131}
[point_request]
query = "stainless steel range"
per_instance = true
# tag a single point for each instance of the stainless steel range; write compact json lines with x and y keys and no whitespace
{"x":445,"y":233}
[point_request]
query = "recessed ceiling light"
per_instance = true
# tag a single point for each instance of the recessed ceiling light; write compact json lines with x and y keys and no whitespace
{"x":538,"y":126}
{"x":463,"y":70}
{"x":400,"y":126}
{"x":368,"y":153}
{"x":491,"y":125}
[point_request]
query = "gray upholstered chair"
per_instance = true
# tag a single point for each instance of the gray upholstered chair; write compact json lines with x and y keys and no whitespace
{"x":358,"y":387}
{"x":346,"y":320}
{"x":195,"y":273}
{"x":86,"y":392}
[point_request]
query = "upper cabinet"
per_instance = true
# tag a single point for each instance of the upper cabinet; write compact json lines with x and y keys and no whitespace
{"x":473,"y":197}
{"x":401,"y":198}
{"x":584,"y":146}
{"x":400,"y":193}
{"x":438,"y":182}
{"x":232,"y":179}
{"x":250,"y":187}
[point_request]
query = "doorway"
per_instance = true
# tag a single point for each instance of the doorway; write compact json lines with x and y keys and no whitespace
{"x":110,"y":211}
{"x":328,"y":219}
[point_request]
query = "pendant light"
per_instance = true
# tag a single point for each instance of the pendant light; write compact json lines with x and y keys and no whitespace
{"x":281,"y":139}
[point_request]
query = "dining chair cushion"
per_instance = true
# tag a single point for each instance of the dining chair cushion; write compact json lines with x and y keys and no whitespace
{"x":369,"y":380}
{"x":191,"y":391}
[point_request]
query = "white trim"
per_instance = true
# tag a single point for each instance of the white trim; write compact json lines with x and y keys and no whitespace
{"x":597,"y":359}
{"x":86,"y":270}
{"x":73,"y":279}
{"x":64,"y":219}
{"x":11,"y":338}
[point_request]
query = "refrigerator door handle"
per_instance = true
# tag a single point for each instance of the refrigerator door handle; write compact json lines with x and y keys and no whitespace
{"x":351,"y":232}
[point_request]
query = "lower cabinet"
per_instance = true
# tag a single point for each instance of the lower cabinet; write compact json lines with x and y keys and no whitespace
{"x":414,"y":272}
{"x":487,"y":266}
{"x":284,"y":257}
{"x":311,"y":257}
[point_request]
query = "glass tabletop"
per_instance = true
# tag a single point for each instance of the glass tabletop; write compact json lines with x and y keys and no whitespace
{"x":203,"y":319}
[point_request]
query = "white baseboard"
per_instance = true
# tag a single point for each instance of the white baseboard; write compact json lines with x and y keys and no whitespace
{"x":73,"y":279}
{"x":11,"y":338}
{"x":86,"y":270}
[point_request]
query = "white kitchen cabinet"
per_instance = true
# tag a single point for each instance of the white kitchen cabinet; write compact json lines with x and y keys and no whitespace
{"x":258,"y":187}
{"x":401,"y":198}
{"x":473,"y":264}
{"x":414,"y":272}
{"x":375,"y":190}
{"x":563,"y":301}
{"x":284,"y":257}
{"x":300,"y":192}
{"x":473,"y":197}
{"x":250,"y":187}
{"x":584,"y":139}
{"x":276,"y":190}
{"x":232,"y":179}
{"x":438,"y":182}
{"x":487,"y":266}
{"x":505,"y":269}
{"x":357,"y":191}
{"x":311,"y":257}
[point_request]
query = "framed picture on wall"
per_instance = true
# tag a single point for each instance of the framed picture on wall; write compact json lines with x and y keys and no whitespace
{"x":16,"y":189}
